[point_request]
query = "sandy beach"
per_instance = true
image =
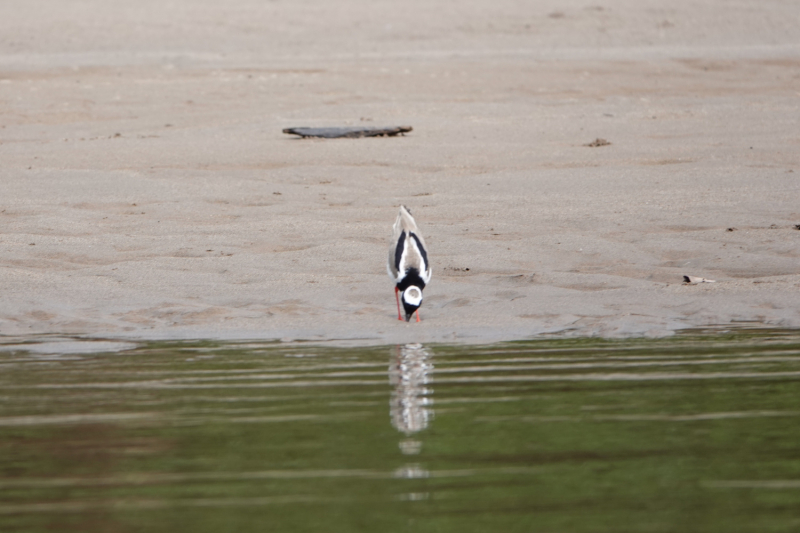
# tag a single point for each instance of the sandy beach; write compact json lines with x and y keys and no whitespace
{"x":148,"y":190}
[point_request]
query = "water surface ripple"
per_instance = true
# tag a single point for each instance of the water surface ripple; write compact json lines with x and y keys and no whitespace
{"x":694,"y":433}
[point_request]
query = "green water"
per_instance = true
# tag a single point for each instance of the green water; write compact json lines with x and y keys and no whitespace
{"x":693,"y":433}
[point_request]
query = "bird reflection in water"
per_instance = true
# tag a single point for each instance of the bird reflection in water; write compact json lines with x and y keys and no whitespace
{"x":410,"y":374}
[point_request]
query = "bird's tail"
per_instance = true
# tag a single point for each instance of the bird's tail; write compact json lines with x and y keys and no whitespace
{"x":405,"y":222}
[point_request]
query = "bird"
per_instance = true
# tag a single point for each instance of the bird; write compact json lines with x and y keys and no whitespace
{"x":408,"y":264}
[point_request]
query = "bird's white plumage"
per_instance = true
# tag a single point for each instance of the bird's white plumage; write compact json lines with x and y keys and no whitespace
{"x":412,"y":296}
{"x":408,"y":249}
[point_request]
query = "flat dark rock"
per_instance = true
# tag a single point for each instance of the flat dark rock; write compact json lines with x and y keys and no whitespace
{"x":351,"y":132}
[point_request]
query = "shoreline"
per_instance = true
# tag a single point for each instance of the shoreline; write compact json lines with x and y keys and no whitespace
{"x":78,"y":345}
{"x":149,"y":191}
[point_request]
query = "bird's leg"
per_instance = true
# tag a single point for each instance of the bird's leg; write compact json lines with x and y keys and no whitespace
{"x":397,"y":297}
{"x":417,"y":315}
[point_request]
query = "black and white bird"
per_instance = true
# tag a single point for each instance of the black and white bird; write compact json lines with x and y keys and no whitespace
{"x":408,"y":264}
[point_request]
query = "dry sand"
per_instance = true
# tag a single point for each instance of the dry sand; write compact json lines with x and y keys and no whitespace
{"x":148,"y":192}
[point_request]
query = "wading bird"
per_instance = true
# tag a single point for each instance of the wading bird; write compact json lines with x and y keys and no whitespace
{"x":408,"y":264}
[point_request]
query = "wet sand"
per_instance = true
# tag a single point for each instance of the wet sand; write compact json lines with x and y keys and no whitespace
{"x":148,"y":191}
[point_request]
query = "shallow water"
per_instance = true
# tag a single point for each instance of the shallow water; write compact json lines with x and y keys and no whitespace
{"x":693,"y":433}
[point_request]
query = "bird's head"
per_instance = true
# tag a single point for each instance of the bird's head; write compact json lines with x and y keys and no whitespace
{"x":412,"y":299}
